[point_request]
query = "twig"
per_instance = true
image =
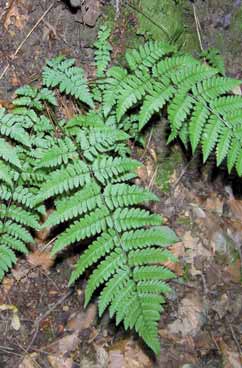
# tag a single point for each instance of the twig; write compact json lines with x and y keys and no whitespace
{"x":153,"y":178}
{"x":147,"y":145}
{"x":198,"y":27}
{"x":25,"y":39}
{"x":234,"y":336}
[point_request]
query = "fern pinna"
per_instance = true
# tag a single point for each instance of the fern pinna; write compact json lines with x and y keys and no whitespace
{"x":201,"y":106}
{"x":19,"y":217}
{"x":89,"y":175}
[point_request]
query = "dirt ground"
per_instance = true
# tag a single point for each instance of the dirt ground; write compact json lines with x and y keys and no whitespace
{"x":44,"y":324}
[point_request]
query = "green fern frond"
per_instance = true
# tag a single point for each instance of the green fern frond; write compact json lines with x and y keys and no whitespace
{"x":7,"y":259}
{"x":102,"y":50}
{"x":70,"y":79}
{"x":214,"y":58}
{"x":61,"y":153}
{"x":147,"y":55}
{"x":8,"y":153}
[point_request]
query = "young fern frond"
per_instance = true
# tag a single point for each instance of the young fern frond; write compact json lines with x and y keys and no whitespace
{"x":102,"y":50}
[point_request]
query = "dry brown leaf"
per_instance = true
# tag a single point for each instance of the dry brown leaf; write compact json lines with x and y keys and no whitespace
{"x":116,"y":359}
{"x":231,"y":359}
{"x":28,"y":361}
{"x":234,"y":270}
{"x":214,"y":204}
{"x":64,"y":345}
{"x":57,"y":361}
{"x":7,"y":283}
{"x":82,"y":320}
{"x":91,"y":11}
{"x":41,"y":259}
{"x":127,"y":354}
{"x":190,"y":317}
{"x":16,"y":15}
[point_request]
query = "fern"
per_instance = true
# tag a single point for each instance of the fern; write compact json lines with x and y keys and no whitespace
{"x":22,"y":132}
{"x":201,"y":107}
{"x":102,"y":50}
{"x":84,"y":167}
{"x":88,"y":174}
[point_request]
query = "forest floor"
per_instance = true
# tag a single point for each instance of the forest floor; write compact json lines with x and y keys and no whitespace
{"x":42,"y":321}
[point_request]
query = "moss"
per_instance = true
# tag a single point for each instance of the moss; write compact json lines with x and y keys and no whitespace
{"x":168,"y":21}
{"x":167,"y":165}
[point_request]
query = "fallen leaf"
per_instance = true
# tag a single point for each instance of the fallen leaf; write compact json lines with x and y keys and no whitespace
{"x":91,"y":11}
{"x":82,"y":320}
{"x":16,"y":15}
{"x":234,"y":270}
{"x":60,"y":362}
{"x":190,"y":317}
{"x":28,"y":361}
{"x":7,"y":283}
{"x":41,"y":259}
{"x":64,"y":345}
{"x":231,"y":359}
{"x":15,"y":322}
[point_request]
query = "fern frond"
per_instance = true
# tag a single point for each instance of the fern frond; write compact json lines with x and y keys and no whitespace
{"x":214,"y":87}
{"x":214,"y":58}
{"x":74,"y":175}
{"x":7,"y":259}
{"x":8,"y":153}
{"x":61,"y":152}
{"x":210,"y":136}
{"x":121,"y":195}
{"x":103,"y":50}
{"x":147,"y":55}
{"x":70,"y":79}
{"x":79,"y":203}
{"x":19,"y":215}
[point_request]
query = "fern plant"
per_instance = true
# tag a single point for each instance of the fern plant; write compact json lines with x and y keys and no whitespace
{"x":202,"y":109}
{"x":89,"y":173}
{"x":19,"y":217}
{"x":84,"y":167}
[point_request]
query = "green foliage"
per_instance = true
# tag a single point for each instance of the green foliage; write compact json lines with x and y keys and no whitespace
{"x":103,"y":50}
{"x":18,"y":215}
{"x":201,"y":107}
{"x":84,"y":167}
{"x":88,"y":172}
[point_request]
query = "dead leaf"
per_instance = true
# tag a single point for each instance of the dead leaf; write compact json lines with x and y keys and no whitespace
{"x":231,"y":359}
{"x":29,"y":361}
{"x":190,"y":317}
{"x":60,"y":362}
{"x":15,"y":322}
{"x":234,"y":270}
{"x":116,"y":359}
{"x":16,"y":15}
{"x":41,"y":259}
{"x":91,"y":11}
{"x":82,"y":320}
{"x":128,"y":354}
{"x":7,"y":284}
{"x":64,"y":345}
